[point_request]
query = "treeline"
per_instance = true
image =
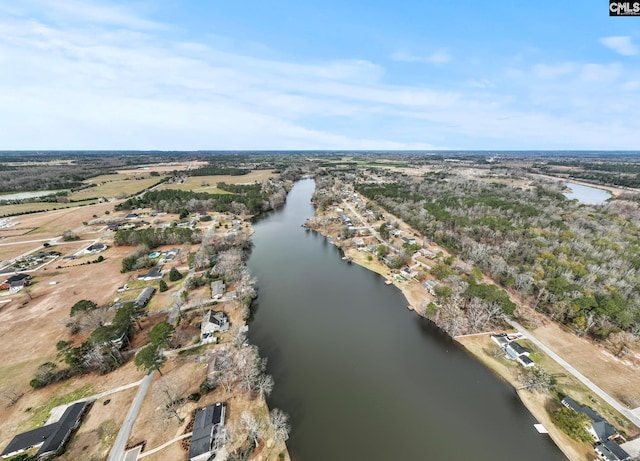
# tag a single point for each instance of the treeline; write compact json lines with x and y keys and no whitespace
{"x":252,"y":199}
{"x":154,"y":237}
{"x":579,"y":264}
{"x":32,"y":171}
{"x":101,"y":351}
{"x":218,"y":171}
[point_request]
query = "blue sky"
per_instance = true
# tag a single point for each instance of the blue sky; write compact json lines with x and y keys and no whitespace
{"x":188,"y":74}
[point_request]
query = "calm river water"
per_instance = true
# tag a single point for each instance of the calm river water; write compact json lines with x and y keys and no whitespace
{"x":362,"y":377}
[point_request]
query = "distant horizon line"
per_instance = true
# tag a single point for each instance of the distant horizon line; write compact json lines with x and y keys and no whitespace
{"x":336,"y":151}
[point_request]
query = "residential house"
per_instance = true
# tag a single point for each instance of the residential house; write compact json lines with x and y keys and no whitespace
{"x":17,"y":281}
{"x":408,"y":240}
{"x":600,"y":429}
{"x":358,"y":242}
{"x":154,"y":274}
{"x":50,"y":438}
{"x":430,"y":286}
{"x":211,"y":322}
{"x":217,"y":289}
{"x":521,"y":354}
{"x":427,"y":253}
{"x":500,"y":339}
{"x":144,"y":297}
{"x":95,"y":248}
{"x":208,"y":432}
{"x":131,"y":216}
{"x":611,"y":451}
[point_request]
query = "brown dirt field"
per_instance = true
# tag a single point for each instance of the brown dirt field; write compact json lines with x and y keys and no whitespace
{"x":98,"y":431}
{"x":619,"y":377}
{"x":164,"y":167}
{"x":54,"y":223}
{"x":151,"y":426}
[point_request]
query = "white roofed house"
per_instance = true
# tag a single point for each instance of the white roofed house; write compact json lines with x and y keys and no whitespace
{"x":211,"y":322}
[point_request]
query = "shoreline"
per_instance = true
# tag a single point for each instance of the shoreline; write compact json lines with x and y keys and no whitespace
{"x":533,"y":402}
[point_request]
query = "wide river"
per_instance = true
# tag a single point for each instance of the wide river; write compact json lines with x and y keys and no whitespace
{"x":362,"y":377}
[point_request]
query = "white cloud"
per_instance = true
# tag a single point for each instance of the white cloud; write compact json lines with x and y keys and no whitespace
{"x":554,"y":70}
{"x":85,"y":84}
{"x":620,"y":44}
{"x":601,"y":73}
{"x":437,"y":58}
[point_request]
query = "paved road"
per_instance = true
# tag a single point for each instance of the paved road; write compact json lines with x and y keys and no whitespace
{"x":117,"y":452}
{"x":599,"y":392}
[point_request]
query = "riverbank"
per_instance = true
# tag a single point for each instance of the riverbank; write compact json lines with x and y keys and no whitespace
{"x":481,"y":347}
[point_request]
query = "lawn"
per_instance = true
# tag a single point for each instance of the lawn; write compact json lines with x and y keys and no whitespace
{"x":111,"y":189}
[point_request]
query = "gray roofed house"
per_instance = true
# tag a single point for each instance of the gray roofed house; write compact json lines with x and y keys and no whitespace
{"x":154,"y":274}
{"x":515,"y":350}
{"x":600,"y":428}
{"x":611,"y":451}
{"x":50,"y":438}
{"x":217,"y":289}
{"x":207,"y":427}
{"x":144,"y":297}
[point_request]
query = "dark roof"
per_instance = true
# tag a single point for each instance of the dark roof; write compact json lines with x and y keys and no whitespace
{"x":154,"y":272}
{"x":612,"y":451}
{"x":518,"y":349}
{"x":217,"y":317}
{"x":18,"y":278}
{"x":54,"y":435}
{"x":29,"y":439}
{"x":601,"y":426}
{"x":146,"y":294}
{"x":525,"y":360}
{"x":205,"y":428}
{"x":65,"y":427}
{"x":603,"y":429}
{"x":96,"y":246}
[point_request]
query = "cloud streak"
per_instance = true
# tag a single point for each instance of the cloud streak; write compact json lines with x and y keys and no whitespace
{"x":620,"y":44}
{"x":107,"y":78}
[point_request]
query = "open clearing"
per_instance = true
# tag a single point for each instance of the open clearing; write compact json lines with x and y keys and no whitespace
{"x":53,"y":223}
{"x":10,"y":210}
{"x":117,"y":189}
{"x":208,"y":183}
{"x":619,"y":377}
{"x":164,"y":167}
